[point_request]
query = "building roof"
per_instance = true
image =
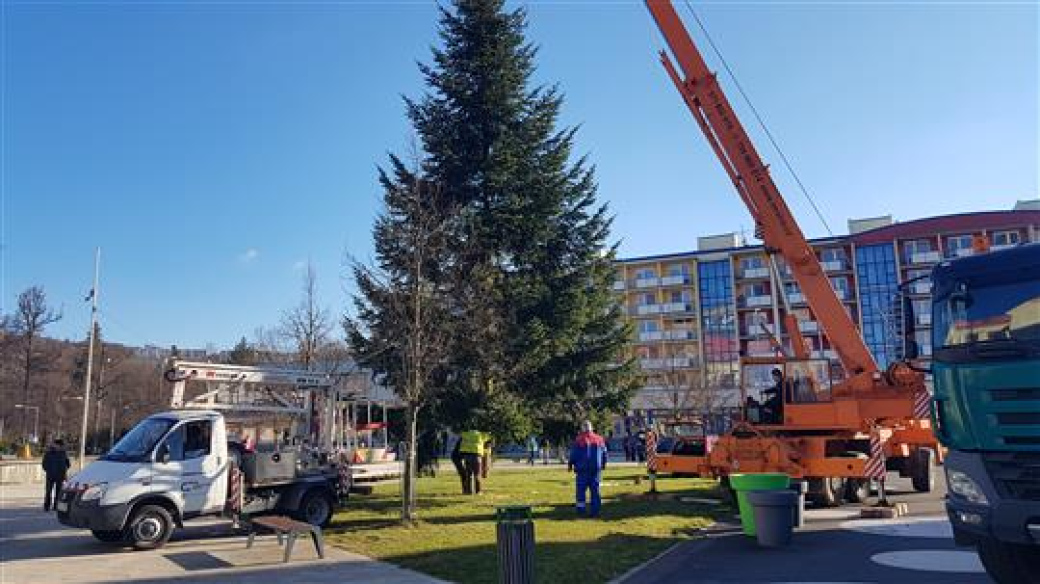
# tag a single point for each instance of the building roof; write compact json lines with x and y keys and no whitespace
{"x":962,"y":222}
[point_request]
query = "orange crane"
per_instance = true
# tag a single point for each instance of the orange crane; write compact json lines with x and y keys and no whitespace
{"x":827,"y":427}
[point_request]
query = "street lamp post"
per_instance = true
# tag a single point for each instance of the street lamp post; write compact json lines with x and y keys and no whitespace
{"x":90,"y":362}
{"x":36,"y":419}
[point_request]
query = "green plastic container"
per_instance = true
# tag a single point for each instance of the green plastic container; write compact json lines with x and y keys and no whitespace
{"x":742,"y":483}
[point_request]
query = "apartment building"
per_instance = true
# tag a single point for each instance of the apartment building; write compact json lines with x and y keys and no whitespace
{"x":694,"y":314}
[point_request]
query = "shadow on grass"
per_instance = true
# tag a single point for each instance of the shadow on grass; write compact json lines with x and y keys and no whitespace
{"x":582,"y":562}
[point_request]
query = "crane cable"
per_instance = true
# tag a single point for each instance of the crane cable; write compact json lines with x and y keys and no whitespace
{"x":758,"y":117}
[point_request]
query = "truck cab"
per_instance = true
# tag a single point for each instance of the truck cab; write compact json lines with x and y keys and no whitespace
{"x":986,"y":377}
{"x":170,"y":467}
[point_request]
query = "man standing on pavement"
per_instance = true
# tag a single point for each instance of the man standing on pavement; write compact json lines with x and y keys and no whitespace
{"x":472,"y":445}
{"x":588,"y":459}
{"x":55,"y":467}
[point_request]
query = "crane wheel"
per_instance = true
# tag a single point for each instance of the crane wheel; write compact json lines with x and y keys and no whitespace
{"x":827,"y":492}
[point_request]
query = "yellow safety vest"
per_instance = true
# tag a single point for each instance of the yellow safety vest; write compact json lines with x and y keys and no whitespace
{"x":472,"y":442}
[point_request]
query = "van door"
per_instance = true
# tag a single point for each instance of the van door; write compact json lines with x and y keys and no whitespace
{"x":191,"y":468}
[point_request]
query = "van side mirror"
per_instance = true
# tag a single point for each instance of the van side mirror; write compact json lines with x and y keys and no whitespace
{"x":911,"y":351}
{"x":163,"y":456}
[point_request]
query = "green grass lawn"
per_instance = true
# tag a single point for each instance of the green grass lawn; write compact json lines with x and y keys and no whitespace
{"x":455,"y":539}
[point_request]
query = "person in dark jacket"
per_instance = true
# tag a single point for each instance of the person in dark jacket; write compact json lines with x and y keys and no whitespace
{"x":55,"y":467}
{"x":588,"y":459}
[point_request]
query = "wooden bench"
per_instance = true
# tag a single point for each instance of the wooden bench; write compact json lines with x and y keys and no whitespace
{"x":290,"y":529}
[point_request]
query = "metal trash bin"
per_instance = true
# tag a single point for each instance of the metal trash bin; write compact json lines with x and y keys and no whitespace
{"x":800,"y":487}
{"x":774,"y":516}
{"x":515,"y":536}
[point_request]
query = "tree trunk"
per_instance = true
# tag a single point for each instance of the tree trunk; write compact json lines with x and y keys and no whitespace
{"x":409,"y":513}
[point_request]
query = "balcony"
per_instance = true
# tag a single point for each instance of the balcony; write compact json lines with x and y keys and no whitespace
{"x":676,"y":307}
{"x":647,"y":282}
{"x":651,"y":336}
{"x":924,"y":257}
{"x":834,"y":265}
{"x":753,"y":301}
{"x":924,"y":319}
{"x":1002,"y":246}
{"x":808,"y":326}
{"x":755,"y":273}
{"x":675,"y":280}
{"x":962,"y":252}
{"x":668,"y":363}
{"x":841,"y":293}
{"x":619,"y":285}
{"x":679,"y":335}
{"x":757,"y":329}
{"x":761,"y":352}
{"x":829,"y":354}
{"x":921,"y":288}
{"x":796,"y":298}
{"x":644,"y":309}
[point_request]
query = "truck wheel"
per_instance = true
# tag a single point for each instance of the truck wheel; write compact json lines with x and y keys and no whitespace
{"x":857,"y":490}
{"x":827,"y":492}
{"x":316,"y":508}
{"x":1010,"y":563}
{"x":108,"y":536}
{"x":922,"y":465}
{"x":149,"y":528}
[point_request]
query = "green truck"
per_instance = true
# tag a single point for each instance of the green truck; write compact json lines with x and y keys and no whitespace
{"x":986,"y":375}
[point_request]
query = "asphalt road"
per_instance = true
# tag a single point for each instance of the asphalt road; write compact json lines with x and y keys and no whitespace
{"x":834,"y":546}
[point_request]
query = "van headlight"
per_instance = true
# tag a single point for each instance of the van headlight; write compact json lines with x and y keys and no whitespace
{"x":963,"y":485}
{"x":93,"y":492}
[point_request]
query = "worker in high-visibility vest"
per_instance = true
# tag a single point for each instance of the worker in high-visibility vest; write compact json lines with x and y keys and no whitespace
{"x":473,"y":446}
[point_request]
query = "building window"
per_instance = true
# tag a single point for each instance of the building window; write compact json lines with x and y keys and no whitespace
{"x":645,"y":273}
{"x":840,"y":285}
{"x":833,"y":254}
{"x":680,"y":296}
{"x":752,"y":263}
{"x":648,"y":326}
{"x":878,"y":286}
{"x":956,"y":243}
{"x":756,"y":289}
{"x":792,"y":288}
{"x":647,"y":298}
{"x":1006,"y":238}
{"x":678,"y":270}
{"x":718,"y":323}
{"x":914,"y":246}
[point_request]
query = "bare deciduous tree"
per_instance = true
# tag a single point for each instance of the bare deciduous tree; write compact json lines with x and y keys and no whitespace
{"x":30,"y":319}
{"x":307,"y":325}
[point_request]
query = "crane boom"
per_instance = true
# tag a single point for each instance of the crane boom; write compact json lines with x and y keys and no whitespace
{"x":773,"y":219}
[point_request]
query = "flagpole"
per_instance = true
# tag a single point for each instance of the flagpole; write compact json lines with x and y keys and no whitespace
{"x":90,"y":360}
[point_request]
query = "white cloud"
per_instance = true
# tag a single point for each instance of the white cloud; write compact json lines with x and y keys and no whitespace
{"x":299,"y":265}
{"x":249,"y":256}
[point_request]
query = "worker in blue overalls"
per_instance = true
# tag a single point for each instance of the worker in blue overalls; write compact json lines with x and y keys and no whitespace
{"x":588,"y":458}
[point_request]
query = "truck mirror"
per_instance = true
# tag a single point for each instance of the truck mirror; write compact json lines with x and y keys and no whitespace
{"x":164,"y":454}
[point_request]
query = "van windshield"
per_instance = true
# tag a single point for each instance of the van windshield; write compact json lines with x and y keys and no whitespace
{"x":139,"y":442}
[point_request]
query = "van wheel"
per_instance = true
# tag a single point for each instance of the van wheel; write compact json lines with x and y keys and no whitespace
{"x":107,"y":536}
{"x":149,"y":528}
{"x":316,"y":508}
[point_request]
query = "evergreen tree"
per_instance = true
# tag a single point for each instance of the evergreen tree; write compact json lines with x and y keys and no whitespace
{"x":541,"y":331}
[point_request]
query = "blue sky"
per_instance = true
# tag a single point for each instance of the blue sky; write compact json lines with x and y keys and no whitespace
{"x":212,"y":148}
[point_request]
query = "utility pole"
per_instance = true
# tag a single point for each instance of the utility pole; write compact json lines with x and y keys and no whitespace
{"x":90,"y":361}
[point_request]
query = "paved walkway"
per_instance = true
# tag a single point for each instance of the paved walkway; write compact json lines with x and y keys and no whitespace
{"x":35,"y":548}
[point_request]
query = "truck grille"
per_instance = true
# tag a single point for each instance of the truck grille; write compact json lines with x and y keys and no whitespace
{"x":1016,"y":475}
{"x":1015,"y":427}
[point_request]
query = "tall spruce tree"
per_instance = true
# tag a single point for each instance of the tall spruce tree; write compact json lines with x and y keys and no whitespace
{"x":540,"y":330}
